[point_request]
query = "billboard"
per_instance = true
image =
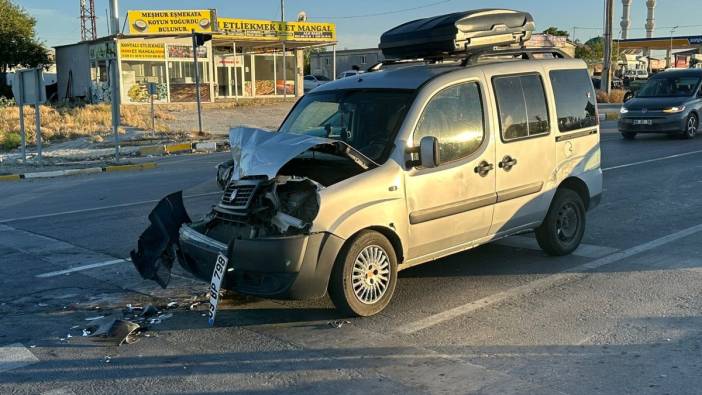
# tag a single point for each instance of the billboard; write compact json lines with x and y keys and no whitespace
{"x":171,"y":21}
{"x":261,"y":30}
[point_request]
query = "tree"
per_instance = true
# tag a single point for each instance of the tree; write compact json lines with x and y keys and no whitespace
{"x":554,"y":31}
{"x":593,"y":51}
{"x":308,"y":55}
{"x":19,"y":46}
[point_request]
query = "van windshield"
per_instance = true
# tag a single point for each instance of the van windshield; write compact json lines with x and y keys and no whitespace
{"x":670,"y":87}
{"x":367,"y":120}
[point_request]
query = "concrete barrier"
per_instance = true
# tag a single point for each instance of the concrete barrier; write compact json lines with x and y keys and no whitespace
{"x":182,"y":147}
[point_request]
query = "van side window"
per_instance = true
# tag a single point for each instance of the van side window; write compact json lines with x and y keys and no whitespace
{"x":455,"y":117}
{"x":575,"y":99}
{"x":522,"y":106}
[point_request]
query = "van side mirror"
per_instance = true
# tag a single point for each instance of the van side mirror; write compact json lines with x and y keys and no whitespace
{"x":429,"y":152}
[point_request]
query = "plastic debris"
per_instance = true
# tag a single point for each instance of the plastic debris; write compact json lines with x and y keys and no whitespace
{"x":95,"y":318}
{"x":338,"y":323}
{"x":118,"y":330}
{"x":149,"y":311}
{"x":107,"y":359}
{"x":172,"y":305}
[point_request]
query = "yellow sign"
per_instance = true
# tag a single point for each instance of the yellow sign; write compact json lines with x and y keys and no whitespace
{"x":140,"y":50}
{"x":249,"y":29}
{"x":170,"y":21}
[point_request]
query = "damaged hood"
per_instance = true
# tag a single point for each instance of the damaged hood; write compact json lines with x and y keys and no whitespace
{"x":258,"y":152}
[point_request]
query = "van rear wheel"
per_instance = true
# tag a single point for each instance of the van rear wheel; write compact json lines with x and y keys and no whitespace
{"x":564,"y":226}
{"x":364,"y":276}
{"x":629,"y":135}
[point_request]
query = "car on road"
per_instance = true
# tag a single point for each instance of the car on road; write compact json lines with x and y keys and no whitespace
{"x":634,"y":74}
{"x":670,"y":102}
{"x":411,"y":163}
{"x":349,"y":73}
{"x":313,"y":81}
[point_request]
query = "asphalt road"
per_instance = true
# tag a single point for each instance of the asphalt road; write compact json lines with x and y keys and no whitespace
{"x":622,"y":315}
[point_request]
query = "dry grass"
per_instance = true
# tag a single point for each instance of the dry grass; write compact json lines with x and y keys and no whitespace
{"x":615,"y":96}
{"x":64,"y":122}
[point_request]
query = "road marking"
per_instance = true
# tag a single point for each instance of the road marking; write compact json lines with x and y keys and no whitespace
{"x":87,"y":210}
{"x":643,"y":162}
{"x":80,"y":268}
{"x":585,"y":250}
{"x":15,"y":356}
{"x":546,"y":282}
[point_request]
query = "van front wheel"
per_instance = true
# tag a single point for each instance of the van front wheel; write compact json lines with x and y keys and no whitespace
{"x":364,"y":276}
{"x":564,"y":226}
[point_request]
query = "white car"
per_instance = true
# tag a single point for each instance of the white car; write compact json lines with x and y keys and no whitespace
{"x":313,"y":81}
{"x":636,"y":74}
{"x":370,"y":176}
{"x":349,"y":73}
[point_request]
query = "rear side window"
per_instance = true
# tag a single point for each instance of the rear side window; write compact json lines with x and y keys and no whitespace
{"x":575,"y":99}
{"x":522,"y":106}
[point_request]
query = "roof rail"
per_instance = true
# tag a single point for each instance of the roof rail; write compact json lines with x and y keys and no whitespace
{"x":474,"y":57}
{"x":523,"y":53}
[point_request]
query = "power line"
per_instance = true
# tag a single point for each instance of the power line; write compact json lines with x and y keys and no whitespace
{"x":385,"y":12}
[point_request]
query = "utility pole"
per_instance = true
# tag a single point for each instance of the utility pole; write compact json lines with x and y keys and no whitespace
{"x":114,"y":75}
{"x":670,"y":49}
{"x":285,"y":63}
{"x":607,"y":62}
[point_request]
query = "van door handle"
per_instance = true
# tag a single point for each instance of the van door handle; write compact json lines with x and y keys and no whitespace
{"x":484,"y":168}
{"x":507,"y":163}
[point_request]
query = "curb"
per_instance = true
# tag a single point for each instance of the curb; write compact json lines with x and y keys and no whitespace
{"x":73,"y":172}
{"x":178,"y":148}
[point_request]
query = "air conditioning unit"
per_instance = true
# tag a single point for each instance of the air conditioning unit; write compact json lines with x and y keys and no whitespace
{"x":456,"y":33}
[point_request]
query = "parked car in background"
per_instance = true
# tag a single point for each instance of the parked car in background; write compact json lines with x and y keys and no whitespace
{"x":670,"y":102}
{"x":349,"y":73}
{"x":617,"y":83}
{"x":313,"y":81}
{"x":635,"y":74}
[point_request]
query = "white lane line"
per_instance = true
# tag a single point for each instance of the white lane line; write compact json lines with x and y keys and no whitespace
{"x":585,"y":250}
{"x":546,"y":282}
{"x":643,"y":162}
{"x":80,"y":268}
{"x":15,"y":356}
{"x":87,"y":210}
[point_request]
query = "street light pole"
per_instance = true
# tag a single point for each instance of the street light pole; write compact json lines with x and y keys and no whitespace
{"x":670,"y":50}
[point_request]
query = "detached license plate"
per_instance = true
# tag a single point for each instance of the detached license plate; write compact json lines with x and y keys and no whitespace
{"x":643,"y":122}
{"x":217,"y":275}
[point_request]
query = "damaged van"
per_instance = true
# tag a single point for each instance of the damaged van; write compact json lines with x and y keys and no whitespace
{"x":477,"y":139}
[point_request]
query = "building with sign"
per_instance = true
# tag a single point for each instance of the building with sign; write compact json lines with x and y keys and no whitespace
{"x":241,"y":58}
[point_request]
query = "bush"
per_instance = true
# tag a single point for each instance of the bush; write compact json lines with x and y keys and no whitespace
{"x":5,"y":102}
{"x":615,"y":96}
{"x":10,"y":141}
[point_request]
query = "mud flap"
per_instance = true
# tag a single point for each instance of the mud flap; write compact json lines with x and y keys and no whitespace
{"x":155,"y":251}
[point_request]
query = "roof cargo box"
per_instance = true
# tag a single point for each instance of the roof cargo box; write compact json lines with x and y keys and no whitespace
{"x":446,"y":35}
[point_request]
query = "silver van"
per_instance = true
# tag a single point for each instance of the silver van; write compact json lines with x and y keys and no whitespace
{"x":402,"y":165}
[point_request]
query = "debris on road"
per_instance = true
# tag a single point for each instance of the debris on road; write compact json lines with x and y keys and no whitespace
{"x":95,"y":318}
{"x":338,"y":323}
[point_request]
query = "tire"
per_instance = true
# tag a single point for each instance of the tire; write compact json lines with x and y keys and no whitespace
{"x":564,"y":225}
{"x":361,"y":293}
{"x":629,"y":135}
{"x":691,"y":125}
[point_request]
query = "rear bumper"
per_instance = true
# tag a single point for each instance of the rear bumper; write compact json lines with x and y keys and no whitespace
{"x":674,"y":123}
{"x":286,"y":267}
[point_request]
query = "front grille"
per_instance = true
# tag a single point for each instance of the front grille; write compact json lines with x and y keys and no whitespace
{"x":238,"y":194}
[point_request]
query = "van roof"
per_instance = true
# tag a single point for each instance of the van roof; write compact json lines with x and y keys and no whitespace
{"x":414,"y":75}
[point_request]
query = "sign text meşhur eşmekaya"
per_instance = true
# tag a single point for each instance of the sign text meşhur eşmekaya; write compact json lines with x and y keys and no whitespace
{"x":243,"y":29}
{"x":170,"y":21}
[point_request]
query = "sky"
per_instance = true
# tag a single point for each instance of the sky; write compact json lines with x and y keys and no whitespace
{"x":361,"y":22}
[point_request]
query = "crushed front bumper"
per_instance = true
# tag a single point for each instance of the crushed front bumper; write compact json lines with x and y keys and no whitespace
{"x":289,"y":267}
